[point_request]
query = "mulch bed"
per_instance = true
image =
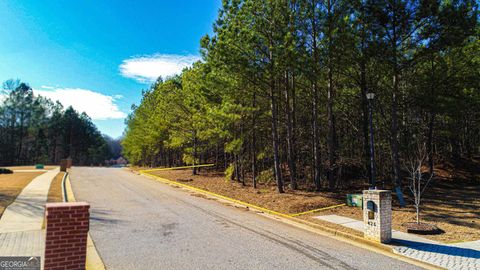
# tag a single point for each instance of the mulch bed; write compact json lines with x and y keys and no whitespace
{"x":421,"y":228}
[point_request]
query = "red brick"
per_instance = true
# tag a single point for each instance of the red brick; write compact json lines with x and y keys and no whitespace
{"x":67,"y":228}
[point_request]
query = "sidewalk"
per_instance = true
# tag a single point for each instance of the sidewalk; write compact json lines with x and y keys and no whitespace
{"x":451,"y":256}
{"x":23,"y":243}
{"x":21,"y":232}
{"x":27,"y":211}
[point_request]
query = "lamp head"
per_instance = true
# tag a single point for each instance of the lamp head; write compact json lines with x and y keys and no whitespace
{"x":370,"y":96}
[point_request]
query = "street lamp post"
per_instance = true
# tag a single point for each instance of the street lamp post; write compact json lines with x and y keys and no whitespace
{"x":370,"y":97}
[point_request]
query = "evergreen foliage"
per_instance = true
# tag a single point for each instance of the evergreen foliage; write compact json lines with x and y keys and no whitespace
{"x":33,"y":130}
{"x":282,"y":86}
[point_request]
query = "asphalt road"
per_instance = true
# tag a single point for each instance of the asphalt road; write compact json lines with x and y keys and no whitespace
{"x":137,"y":223}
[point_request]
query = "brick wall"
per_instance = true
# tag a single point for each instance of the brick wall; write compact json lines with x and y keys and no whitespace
{"x":66,"y":235}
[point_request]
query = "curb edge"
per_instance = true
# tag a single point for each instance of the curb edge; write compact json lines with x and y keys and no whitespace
{"x":93,"y":260}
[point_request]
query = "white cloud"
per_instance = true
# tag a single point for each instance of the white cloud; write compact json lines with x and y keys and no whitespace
{"x":147,"y":69}
{"x":97,"y":105}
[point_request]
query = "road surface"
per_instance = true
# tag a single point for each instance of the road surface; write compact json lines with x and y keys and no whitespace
{"x":137,"y":223}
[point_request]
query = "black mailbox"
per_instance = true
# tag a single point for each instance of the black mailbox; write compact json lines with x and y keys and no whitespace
{"x":371,"y":208}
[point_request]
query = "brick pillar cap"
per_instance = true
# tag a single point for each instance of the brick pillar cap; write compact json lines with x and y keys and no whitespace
{"x":66,"y":204}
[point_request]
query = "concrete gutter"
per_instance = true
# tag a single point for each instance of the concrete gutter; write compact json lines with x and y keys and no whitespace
{"x":303,"y":224}
{"x":64,"y":189}
{"x":93,"y":261}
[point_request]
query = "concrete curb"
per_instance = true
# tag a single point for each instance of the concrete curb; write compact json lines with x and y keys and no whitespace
{"x":64,"y":191}
{"x":303,"y":224}
{"x":93,"y":261}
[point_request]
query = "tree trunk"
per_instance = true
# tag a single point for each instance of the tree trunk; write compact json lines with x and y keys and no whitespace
{"x":317,"y":163}
{"x":20,"y":139}
{"x":316,"y":146}
{"x":417,"y":214}
{"x":53,"y":158}
{"x":332,"y":152}
{"x":397,"y":181}
{"x":241,"y":160}
{"x":11,"y":153}
{"x":331,"y":134}
{"x":216,"y":156}
{"x":224,"y":158}
{"x":276,"y":157}
{"x":254,"y":140}
{"x":290,"y":135}
{"x":195,"y":142}
{"x":237,"y":168}
{"x":394,"y":130}
{"x":200,"y":160}
{"x":294,"y":126}
{"x":242,"y":170}
{"x":394,"y":134}
{"x":431,"y":124}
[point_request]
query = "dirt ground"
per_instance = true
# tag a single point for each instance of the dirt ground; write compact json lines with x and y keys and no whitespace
{"x":55,"y":193}
{"x":11,"y":185}
{"x":265,"y":196}
{"x":453,"y":208}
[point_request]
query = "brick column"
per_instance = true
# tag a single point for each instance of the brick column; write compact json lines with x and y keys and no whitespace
{"x":66,"y":235}
{"x":377,"y":215}
{"x":63,"y":165}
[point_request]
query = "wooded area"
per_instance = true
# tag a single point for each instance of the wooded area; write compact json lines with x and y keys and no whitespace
{"x":33,"y":129}
{"x":281,"y":92}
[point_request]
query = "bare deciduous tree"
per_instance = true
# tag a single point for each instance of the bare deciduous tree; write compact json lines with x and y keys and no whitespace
{"x":418,"y":180}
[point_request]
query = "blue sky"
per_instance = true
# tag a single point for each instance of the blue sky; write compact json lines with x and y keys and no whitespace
{"x":98,"y":55}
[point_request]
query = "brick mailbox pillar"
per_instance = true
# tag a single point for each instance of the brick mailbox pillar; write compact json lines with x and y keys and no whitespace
{"x":63,"y":165}
{"x":377,"y":215}
{"x":66,"y":235}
